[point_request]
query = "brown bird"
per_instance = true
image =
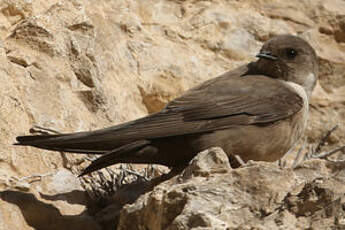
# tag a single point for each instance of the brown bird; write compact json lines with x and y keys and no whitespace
{"x":257,"y":111}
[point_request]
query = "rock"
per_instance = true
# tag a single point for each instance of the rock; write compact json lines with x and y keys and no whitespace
{"x":40,"y":215}
{"x":51,"y":201}
{"x":77,"y":65}
{"x":211,"y":161}
{"x":258,"y":195}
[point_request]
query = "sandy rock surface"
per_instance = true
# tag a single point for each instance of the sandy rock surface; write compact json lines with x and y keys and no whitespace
{"x":82,"y":65}
{"x":211,"y":195}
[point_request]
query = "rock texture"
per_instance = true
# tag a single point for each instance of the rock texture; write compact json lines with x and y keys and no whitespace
{"x":81,"y":65}
{"x":54,"y":201}
{"x":211,"y":195}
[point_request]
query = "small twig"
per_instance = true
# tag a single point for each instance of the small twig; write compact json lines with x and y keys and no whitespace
{"x":113,"y":182}
{"x":42,"y":130}
{"x":111,"y":173}
{"x":101,"y":177}
{"x":136,"y":174}
{"x":324,"y":155}
{"x":38,"y":176}
{"x":103,"y":185}
{"x":324,"y":139}
{"x":335,"y":161}
{"x":239,"y":160}
{"x":90,"y":157}
{"x":281,"y":163}
{"x":309,"y":153}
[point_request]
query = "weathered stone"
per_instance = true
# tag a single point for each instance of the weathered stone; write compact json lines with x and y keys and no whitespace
{"x":259,"y":195}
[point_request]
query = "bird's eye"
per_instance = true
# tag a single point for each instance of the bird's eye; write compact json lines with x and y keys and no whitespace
{"x":290,"y":53}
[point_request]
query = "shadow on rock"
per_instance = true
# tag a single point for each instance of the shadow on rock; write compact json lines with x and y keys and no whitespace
{"x":73,"y":197}
{"x":107,"y":214}
{"x":42,"y":216}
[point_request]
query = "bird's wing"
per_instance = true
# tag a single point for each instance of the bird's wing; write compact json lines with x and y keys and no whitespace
{"x":219,"y":103}
{"x":254,"y":98}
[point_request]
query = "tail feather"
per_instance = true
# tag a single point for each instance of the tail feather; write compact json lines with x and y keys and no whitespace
{"x":83,"y":142}
{"x":118,"y":155}
{"x":114,"y":152}
{"x":29,"y":139}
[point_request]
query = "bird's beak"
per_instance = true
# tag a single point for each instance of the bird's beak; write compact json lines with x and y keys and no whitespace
{"x":267,"y":55}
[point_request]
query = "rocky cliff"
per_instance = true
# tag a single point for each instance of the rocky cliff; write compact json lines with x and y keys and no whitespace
{"x":82,"y":65}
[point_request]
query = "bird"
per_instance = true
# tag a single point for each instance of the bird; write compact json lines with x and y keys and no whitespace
{"x":257,"y":111}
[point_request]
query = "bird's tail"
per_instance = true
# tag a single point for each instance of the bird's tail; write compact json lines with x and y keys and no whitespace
{"x":82,"y":142}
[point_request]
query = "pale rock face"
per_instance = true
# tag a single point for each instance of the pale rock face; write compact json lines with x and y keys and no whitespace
{"x":260,"y":195}
{"x":77,"y":65}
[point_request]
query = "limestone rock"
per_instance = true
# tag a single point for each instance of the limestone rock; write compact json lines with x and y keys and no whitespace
{"x":51,"y":201}
{"x":259,"y":195}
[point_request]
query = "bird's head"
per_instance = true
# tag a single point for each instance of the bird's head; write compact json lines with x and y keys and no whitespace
{"x":289,"y":58}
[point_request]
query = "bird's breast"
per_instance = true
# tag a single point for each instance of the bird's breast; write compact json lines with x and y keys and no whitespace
{"x":300,"y":119}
